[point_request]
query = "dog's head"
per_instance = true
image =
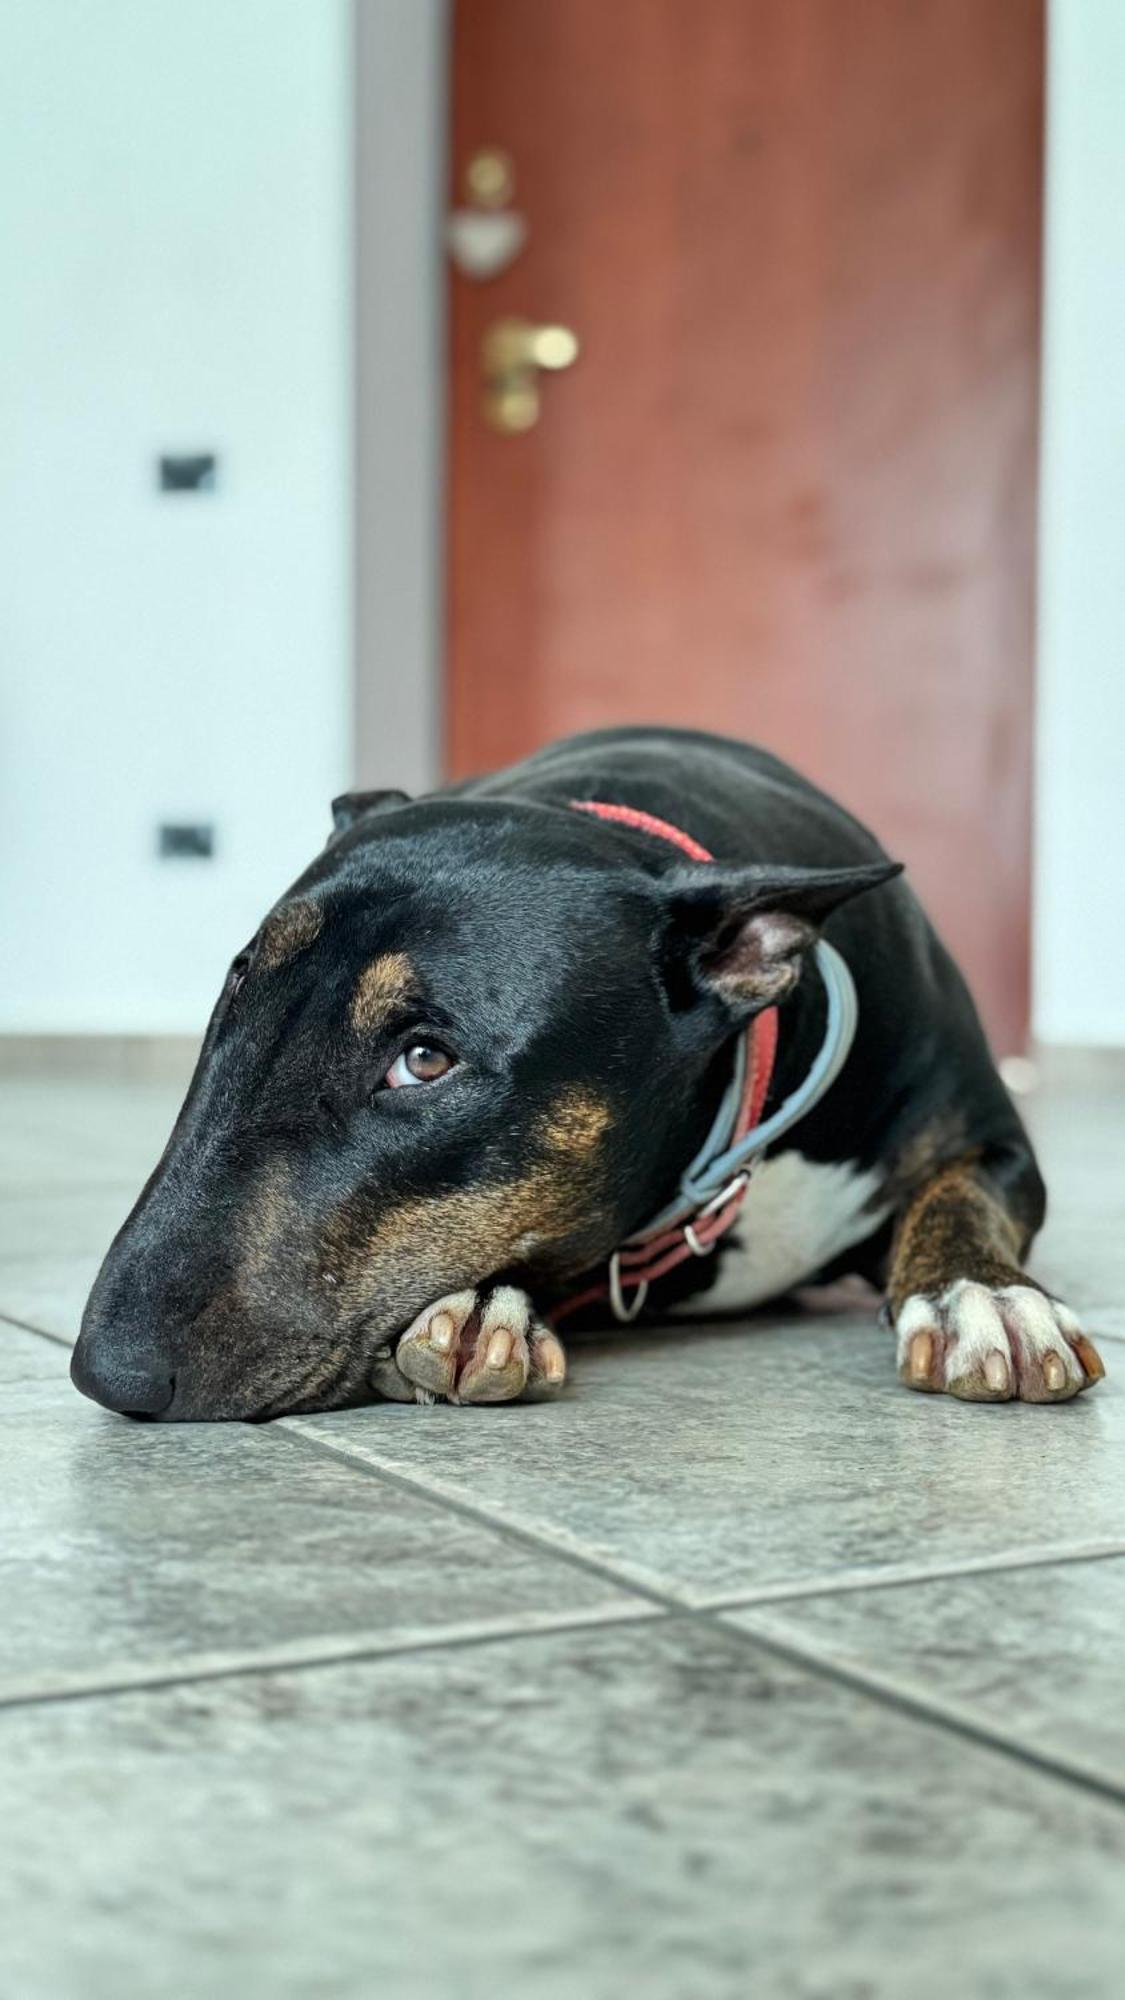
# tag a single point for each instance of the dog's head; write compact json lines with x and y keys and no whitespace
{"x":474,"y":1039}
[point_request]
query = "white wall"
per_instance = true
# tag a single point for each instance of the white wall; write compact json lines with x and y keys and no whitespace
{"x":175,"y":222}
{"x":1080,"y":803}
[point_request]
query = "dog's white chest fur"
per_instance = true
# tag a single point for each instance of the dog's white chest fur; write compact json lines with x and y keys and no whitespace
{"x":798,"y":1214}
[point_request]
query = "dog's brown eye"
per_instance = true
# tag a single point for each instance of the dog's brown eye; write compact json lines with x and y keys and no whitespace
{"x":420,"y":1063}
{"x":236,"y":977}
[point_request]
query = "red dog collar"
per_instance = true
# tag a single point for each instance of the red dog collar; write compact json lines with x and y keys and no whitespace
{"x":688,"y":1228}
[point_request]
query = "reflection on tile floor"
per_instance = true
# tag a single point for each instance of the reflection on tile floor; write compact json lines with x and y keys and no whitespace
{"x":739,"y":1671}
{"x":662,"y":1810}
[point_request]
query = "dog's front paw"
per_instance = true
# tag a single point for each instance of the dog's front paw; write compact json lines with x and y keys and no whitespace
{"x":485,"y":1346}
{"x":992,"y":1345}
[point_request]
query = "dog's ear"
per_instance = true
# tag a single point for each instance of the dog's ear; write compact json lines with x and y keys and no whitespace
{"x":740,"y":935}
{"x":353,"y":806}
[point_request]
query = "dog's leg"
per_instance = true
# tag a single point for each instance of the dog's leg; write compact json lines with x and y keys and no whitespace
{"x":486,"y":1346}
{"x":966,"y":1317}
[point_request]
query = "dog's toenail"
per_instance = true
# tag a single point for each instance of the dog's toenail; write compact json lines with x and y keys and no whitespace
{"x":1054,"y":1373}
{"x":996,"y":1370}
{"x":921,"y":1355}
{"x":499,"y":1349}
{"x":552,"y":1361}
{"x":441,"y":1332}
{"x":1089,"y":1357}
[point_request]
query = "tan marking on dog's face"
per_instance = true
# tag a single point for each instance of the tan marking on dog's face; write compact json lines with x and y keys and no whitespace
{"x":287,"y":931}
{"x":327,"y":1293}
{"x":393,"y":1259}
{"x":266,"y":1224}
{"x":576,"y":1122}
{"x":222,"y":1337}
{"x":381,"y":987}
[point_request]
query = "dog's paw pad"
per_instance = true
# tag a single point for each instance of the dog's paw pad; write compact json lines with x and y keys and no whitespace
{"x":429,"y":1353}
{"x":496,"y":1368}
{"x":481,"y":1347}
{"x":993,"y":1346}
{"x":388,"y":1380}
{"x":547,"y":1370}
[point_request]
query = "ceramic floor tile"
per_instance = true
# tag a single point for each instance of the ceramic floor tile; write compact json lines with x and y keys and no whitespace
{"x":720,"y":1462}
{"x":662,"y":1810}
{"x":41,"y":1223}
{"x":658,"y":1805}
{"x":1081,"y":1253}
{"x":73,"y":1156}
{"x":1034,"y":1655}
{"x":138,"y":1547}
{"x":33,"y":1373}
{"x":71,"y":1131}
{"x":52,"y":1241}
{"x":49,"y":1292}
{"x":25,"y":1357}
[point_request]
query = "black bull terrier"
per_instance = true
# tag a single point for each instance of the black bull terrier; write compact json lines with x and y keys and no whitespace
{"x":476,"y":1046}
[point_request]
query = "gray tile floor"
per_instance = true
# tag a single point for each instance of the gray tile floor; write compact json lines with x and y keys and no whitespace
{"x":739,"y":1672}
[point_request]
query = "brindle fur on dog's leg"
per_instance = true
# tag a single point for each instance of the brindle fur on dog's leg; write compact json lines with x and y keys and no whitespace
{"x":487,"y":1346}
{"x":967,"y":1318}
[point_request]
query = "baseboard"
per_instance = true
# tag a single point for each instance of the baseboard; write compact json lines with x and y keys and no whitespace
{"x":1074,"y":1067}
{"x":115,"y":1058}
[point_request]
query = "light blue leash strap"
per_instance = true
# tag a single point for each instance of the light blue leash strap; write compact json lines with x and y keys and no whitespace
{"x":717,"y":1164}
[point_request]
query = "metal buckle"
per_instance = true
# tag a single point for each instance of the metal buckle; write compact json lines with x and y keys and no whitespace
{"x":621,"y":1311}
{"x":717,"y":1202}
{"x":739,"y":1181}
{"x":625,"y":1312}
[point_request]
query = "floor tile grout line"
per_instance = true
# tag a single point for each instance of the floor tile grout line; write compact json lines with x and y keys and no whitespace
{"x":25,"y":1326}
{"x":855,"y":1581}
{"x":663,"y":1599}
{"x":883,"y":1692}
{"x":654,"y":1588}
{"x":277,"y":1660}
{"x":872,"y":1687}
{"x":898,"y":1695}
{"x":500,"y":1522}
{"x":665,"y":1592}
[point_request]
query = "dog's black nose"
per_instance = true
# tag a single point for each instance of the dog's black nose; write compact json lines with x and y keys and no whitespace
{"x":119,"y":1383}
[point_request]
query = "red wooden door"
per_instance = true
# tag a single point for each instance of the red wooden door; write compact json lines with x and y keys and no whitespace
{"x":788,"y":489}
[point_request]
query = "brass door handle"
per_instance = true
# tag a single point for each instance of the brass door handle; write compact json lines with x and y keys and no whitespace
{"x":513,"y":353}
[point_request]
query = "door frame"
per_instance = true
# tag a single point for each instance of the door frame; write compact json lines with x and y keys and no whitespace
{"x":401,"y":143}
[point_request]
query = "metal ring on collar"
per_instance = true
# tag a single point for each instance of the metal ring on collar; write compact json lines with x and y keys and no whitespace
{"x":621,"y":1311}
